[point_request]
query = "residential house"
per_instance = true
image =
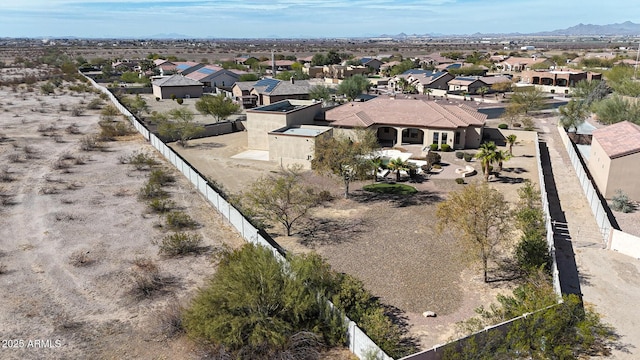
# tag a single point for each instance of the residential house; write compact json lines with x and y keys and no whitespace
{"x":178,"y":86}
{"x":268,"y":91}
{"x":245,"y":59}
{"x":286,"y":130}
{"x":187,"y":67}
{"x":466,"y":84}
{"x":561,"y":78}
{"x":434,"y":59}
{"x":281,"y":65}
{"x":372,"y":63}
{"x":410,"y":121}
{"x":164,"y":67}
{"x":522,"y":63}
{"x":424,"y":80}
{"x":313,"y":71}
{"x":213,"y":77}
{"x":343,"y":71}
{"x":614,"y":158}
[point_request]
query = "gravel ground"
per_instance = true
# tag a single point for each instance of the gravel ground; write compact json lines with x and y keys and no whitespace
{"x":389,"y":243}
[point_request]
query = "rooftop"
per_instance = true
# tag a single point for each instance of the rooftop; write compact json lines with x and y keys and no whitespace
{"x":285,"y":106}
{"x":619,"y":139}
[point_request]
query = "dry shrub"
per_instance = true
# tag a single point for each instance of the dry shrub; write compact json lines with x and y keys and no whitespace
{"x":146,"y":278}
{"x":179,"y":244}
{"x":73,"y":129}
{"x":77,"y":111}
{"x":30,"y":152}
{"x":109,"y":130}
{"x":91,"y":143}
{"x":178,"y":220}
{"x":81,"y":258}
{"x":5,"y":174}
{"x":3,"y":269}
{"x":161,"y":205}
{"x":15,"y":158}
{"x":169,"y":319}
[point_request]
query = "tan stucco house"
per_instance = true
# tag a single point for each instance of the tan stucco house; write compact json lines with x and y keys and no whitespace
{"x":410,"y":121}
{"x":614,"y":159}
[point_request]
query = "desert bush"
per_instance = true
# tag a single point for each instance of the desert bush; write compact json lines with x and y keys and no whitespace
{"x":146,"y":278}
{"x":91,"y":143}
{"x":468,"y":157}
{"x":5,"y":174}
{"x":80,"y":258}
{"x":152,"y":191}
{"x":72,"y":129}
{"x":620,"y":202}
{"x":141,"y":160}
{"x":95,"y":104}
{"x":15,"y":158}
{"x":178,"y":220}
{"x":433,"y":158}
{"x":161,"y":205}
{"x":445,"y":147}
{"x":161,"y":177}
{"x":42,"y":128}
{"x":30,"y":152}
{"x":179,"y":101}
{"x":47,"y":88}
{"x":63,"y":107}
{"x":460,"y":181}
{"x":180,"y":243}
{"x":169,"y":319}
{"x":61,"y":164}
{"x":528,"y":124}
{"x":459,"y":154}
{"x":77,"y":111}
{"x":503,"y":126}
{"x":80,"y":160}
{"x":109,"y":130}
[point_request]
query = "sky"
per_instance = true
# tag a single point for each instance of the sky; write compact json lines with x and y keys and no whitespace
{"x":301,"y":18}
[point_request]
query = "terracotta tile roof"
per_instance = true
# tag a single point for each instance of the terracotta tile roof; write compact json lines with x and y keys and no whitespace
{"x":398,"y":112}
{"x":619,"y":139}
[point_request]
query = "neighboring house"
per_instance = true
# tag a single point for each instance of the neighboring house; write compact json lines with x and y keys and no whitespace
{"x":164,"y":67}
{"x":371,"y":63}
{"x":178,"y":86}
{"x":313,"y":71}
{"x":562,"y":78}
{"x":434,"y":59}
{"x":466,"y":84}
{"x":212,"y":77}
{"x":411,"y":121}
{"x":344,"y":71}
{"x":268,"y":91}
{"x":614,"y":158}
{"x":281,"y":65}
{"x":522,"y":63}
{"x":286,"y":129}
{"x":492,"y":80}
{"x":245,"y":59}
{"x":241,"y":91}
{"x":423,"y":80}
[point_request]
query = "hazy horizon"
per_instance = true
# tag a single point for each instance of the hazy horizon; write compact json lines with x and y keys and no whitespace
{"x":300,"y":18}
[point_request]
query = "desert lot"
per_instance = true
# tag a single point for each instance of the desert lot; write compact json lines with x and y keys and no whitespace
{"x":72,"y":231}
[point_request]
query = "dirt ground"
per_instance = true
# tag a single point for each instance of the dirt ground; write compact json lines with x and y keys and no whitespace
{"x":60,"y":203}
{"x":388,"y":243}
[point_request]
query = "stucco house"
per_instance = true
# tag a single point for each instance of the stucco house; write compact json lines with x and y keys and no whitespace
{"x":468,"y":84}
{"x":178,"y":85}
{"x":286,"y":130}
{"x":268,"y":91}
{"x":523,"y":63}
{"x":562,"y":78}
{"x":212,"y":77}
{"x":614,"y":158}
{"x":410,"y":121}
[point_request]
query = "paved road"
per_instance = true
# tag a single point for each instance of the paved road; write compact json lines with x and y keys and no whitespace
{"x":608,"y":280}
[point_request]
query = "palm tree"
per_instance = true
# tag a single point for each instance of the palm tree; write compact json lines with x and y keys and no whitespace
{"x":486,"y":155}
{"x":511,"y":139}
{"x":398,"y":165}
{"x":427,"y":91}
{"x":501,"y":156}
{"x":482,"y":90}
{"x":377,"y":164}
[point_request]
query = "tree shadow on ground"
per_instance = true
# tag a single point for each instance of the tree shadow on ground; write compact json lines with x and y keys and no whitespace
{"x":515,"y":170}
{"x":419,"y":198}
{"x":506,"y":270}
{"x":213,"y":145}
{"x":508,"y":179}
{"x":408,"y":344}
{"x":324,"y":231}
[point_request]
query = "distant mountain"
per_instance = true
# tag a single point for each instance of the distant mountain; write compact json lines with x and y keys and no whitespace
{"x":625,"y":28}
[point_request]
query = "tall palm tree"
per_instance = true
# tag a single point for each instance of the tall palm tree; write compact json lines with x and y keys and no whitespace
{"x":482,"y":90}
{"x":511,"y":139}
{"x":487,"y":156}
{"x":398,"y":165}
{"x":427,"y":91}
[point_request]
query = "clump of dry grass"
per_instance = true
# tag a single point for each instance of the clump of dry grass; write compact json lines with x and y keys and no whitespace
{"x":81,"y":258}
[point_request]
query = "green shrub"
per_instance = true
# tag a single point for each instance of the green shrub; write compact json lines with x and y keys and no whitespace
{"x":459,"y":154}
{"x":152,"y":191}
{"x":173,"y":96}
{"x":179,"y":101}
{"x":468,"y":157}
{"x":620,"y":202}
{"x":177,"y":220}
{"x":433,"y":147}
{"x":95,"y":104}
{"x":460,"y":181}
{"x":140,"y":160}
{"x":109,"y":130}
{"x":157,"y":98}
{"x":437,"y":166}
{"x":503,"y":126}
{"x":532,"y":253}
{"x":445,"y":147}
{"x":160,"y":176}
{"x":180,"y":243}
{"x":161,"y":205}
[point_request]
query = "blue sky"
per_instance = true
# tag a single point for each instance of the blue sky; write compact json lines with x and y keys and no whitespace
{"x":301,"y":18}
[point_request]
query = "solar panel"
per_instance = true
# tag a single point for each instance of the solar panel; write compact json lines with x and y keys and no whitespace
{"x":269,"y":83}
{"x":206,"y":71}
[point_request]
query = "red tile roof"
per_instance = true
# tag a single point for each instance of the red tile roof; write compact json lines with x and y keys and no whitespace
{"x":619,"y":139}
{"x":400,"y":112}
